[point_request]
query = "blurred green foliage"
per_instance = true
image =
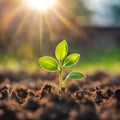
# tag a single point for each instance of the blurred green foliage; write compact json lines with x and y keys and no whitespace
{"x":108,"y":60}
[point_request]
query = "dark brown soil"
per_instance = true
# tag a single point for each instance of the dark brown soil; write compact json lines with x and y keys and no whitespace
{"x":25,"y":96}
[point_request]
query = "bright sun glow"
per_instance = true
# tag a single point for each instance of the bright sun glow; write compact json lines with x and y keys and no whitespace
{"x":41,"y":4}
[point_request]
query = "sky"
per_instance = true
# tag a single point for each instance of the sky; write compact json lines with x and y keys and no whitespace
{"x":101,"y":13}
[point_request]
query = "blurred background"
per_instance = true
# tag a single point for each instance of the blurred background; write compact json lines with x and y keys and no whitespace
{"x":91,"y":27}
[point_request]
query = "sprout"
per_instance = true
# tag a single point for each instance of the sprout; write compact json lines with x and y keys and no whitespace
{"x":62,"y":60}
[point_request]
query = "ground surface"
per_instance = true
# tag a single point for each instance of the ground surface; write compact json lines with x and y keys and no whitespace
{"x":25,"y":96}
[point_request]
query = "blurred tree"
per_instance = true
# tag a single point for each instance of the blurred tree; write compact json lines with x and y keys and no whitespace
{"x":104,"y":12}
{"x":115,"y":13}
{"x":78,"y":9}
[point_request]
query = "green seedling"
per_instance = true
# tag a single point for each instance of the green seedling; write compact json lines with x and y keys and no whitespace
{"x":62,"y":60}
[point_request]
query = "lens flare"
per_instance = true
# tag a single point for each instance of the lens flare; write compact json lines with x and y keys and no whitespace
{"x":40,"y":4}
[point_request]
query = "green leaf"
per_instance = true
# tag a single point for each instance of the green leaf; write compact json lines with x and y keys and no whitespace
{"x":75,"y":75}
{"x":48,"y":63}
{"x":61,"y":50}
{"x":71,"y":59}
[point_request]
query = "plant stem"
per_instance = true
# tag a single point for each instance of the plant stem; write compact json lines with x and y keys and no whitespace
{"x":60,"y":81}
{"x":60,"y":76}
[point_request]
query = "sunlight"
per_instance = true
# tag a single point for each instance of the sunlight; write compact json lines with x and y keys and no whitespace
{"x":40,"y":4}
{"x":35,"y":22}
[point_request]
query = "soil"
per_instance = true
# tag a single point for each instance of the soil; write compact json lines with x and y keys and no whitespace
{"x":25,"y":96}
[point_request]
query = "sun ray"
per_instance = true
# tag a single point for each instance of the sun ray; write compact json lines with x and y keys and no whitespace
{"x":69,"y":22}
{"x":41,"y":33}
{"x":22,"y":24}
{"x":79,"y":31}
{"x":66,"y":22}
{"x":63,"y":8}
{"x":32,"y":27}
{"x":9,"y":16}
{"x":49,"y":27}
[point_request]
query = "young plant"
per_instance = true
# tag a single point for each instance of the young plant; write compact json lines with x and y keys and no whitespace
{"x":62,"y":60}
